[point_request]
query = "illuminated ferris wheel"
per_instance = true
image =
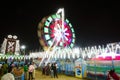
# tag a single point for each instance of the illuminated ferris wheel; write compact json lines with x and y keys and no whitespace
{"x":54,"y":31}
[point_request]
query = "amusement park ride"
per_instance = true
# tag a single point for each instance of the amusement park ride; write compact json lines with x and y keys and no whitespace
{"x":55,"y":33}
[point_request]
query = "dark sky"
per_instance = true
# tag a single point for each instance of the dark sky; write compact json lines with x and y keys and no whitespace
{"x":95,"y":22}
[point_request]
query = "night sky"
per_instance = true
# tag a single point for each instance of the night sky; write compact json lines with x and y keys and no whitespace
{"x":95,"y":22}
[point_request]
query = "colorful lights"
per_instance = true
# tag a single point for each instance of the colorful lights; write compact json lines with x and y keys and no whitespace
{"x":56,"y":31}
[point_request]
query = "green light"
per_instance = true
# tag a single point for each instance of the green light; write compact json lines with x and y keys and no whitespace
{"x":47,"y":23}
{"x":70,"y":24}
{"x":72,"y":30}
{"x":71,"y":45}
{"x":54,"y":16}
{"x":45,"y":30}
{"x":67,"y":20}
{"x":58,"y":16}
{"x":73,"y":40}
{"x":73,"y":35}
{"x":47,"y":37}
{"x":50,"y":19}
{"x":50,"y":43}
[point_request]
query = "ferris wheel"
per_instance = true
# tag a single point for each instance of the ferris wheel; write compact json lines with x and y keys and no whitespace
{"x":55,"y":31}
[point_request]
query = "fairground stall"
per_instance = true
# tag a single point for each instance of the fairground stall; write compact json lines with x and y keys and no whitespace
{"x":104,"y":59}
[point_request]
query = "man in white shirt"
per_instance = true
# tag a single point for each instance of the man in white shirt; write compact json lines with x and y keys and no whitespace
{"x":8,"y":76}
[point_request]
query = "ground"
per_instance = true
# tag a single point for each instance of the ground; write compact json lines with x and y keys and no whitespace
{"x":39,"y":76}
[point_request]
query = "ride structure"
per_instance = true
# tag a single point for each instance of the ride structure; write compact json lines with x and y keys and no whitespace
{"x":55,"y":33}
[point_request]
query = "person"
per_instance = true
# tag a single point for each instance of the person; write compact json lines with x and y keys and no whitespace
{"x":47,"y":69}
{"x":25,"y":71}
{"x":34,"y":69}
{"x":51,"y":70}
{"x":8,"y":76}
{"x":5,"y":67}
{"x":31,"y":70}
{"x":1,"y":72}
{"x":43,"y":69}
{"x":10,"y":66}
{"x":113,"y":75}
{"x":17,"y":71}
{"x":55,"y":70}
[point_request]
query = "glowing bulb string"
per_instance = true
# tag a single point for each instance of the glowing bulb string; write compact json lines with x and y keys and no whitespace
{"x":46,"y":52}
{"x":62,"y":11}
{"x":59,"y":11}
{"x":54,"y":49}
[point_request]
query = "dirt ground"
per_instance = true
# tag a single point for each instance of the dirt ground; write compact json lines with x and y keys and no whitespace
{"x":39,"y":76}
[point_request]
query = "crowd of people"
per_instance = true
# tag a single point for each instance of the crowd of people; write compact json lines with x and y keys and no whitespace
{"x":12,"y":71}
{"x":50,"y":69}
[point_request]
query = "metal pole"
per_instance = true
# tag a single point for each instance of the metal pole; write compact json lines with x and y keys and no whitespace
{"x":24,"y":55}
